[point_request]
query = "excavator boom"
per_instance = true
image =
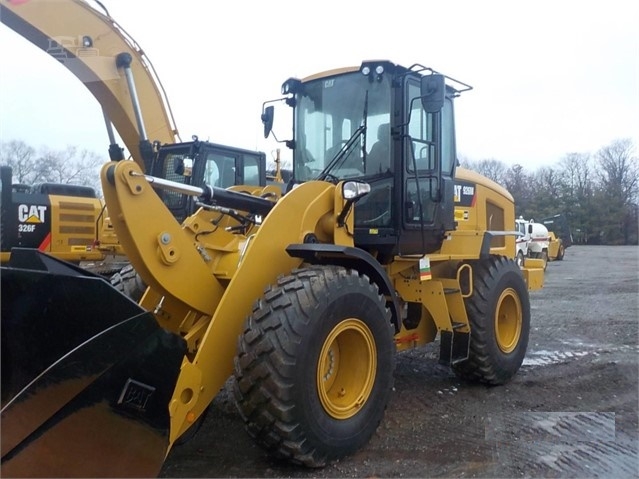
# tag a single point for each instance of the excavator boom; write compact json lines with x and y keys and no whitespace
{"x":88,"y":42}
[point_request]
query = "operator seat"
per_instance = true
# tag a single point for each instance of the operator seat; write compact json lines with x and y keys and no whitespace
{"x":378,"y":160}
{"x":228,"y":175}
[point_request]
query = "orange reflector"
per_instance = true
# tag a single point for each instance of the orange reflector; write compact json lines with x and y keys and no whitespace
{"x":190,"y":416}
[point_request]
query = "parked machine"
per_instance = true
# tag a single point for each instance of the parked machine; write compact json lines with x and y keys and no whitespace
{"x":533,"y":241}
{"x":302,"y":298}
{"x":560,"y":236}
{"x":57,"y":219}
{"x":105,"y":58}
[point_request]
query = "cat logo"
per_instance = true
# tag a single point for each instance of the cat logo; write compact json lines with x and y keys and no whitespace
{"x":32,"y":213}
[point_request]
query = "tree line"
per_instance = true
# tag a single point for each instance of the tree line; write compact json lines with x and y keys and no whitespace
{"x":598,"y":193}
{"x":71,"y":165}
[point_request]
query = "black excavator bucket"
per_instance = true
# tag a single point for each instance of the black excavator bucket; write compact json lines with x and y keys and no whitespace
{"x":87,"y":375}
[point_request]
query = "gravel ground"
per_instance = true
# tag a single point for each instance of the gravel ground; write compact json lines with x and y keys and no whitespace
{"x":571,"y":411}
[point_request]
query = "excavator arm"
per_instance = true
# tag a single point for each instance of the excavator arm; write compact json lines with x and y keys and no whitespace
{"x":99,"y":52}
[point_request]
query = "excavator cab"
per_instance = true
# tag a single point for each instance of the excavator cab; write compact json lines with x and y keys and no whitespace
{"x":391,"y":127}
{"x":197,"y":163}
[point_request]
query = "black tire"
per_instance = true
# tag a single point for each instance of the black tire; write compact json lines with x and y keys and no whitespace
{"x":129,"y":283}
{"x":521,"y":260}
{"x":499,"y":315}
{"x":318,"y":330}
{"x":544,"y":256}
{"x":561,"y":252}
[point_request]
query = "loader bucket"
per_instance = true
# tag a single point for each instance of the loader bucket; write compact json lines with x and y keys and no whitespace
{"x":87,"y":375}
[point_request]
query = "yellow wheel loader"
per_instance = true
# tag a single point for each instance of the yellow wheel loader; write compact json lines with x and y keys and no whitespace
{"x":302,"y":299}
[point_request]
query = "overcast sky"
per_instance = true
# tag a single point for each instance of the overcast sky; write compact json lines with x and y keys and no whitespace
{"x":549,"y":77}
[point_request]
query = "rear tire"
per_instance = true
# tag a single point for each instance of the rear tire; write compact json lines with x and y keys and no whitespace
{"x":561,"y":252}
{"x":315,"y":363}
{"x":499,"y":315}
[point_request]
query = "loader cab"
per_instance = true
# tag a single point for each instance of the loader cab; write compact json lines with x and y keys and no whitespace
{"x":391,"y":127}
{"x":200,"y":162}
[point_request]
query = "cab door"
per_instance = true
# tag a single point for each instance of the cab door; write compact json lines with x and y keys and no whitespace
{"x":428,"y":172}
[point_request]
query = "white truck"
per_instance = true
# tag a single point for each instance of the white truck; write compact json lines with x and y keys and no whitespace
{"x":532,"y":241}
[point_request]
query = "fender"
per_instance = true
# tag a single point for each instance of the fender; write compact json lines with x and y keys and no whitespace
{"x":354,"y":258}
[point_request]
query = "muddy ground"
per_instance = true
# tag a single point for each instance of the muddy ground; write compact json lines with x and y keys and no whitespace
{"x":571,"y":411}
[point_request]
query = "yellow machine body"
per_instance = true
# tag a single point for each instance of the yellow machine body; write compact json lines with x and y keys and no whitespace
{"x":303,"y":297}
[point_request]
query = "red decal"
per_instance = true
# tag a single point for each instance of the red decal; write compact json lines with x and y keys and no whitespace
{"x":46,"y":243}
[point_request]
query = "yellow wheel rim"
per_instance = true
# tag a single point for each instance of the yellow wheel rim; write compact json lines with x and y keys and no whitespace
{"x":346,"y":369}
{"x":508,"y":320}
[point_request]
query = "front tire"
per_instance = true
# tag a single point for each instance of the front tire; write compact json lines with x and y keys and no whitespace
{"x":128,"y":282}
{"x":544,"y":256}
{"x":499,"y":315}
{"x":315,"y":363}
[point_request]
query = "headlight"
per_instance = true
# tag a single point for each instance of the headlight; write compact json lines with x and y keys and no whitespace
{"x":352,"y":190}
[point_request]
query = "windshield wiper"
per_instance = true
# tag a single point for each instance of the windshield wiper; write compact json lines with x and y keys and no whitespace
{"x":346,"y":148}
{"x":341,"y":154}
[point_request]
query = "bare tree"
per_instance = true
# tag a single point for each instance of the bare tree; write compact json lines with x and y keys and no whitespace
{"x":579,"y":202}
{"x":619,"y":181}
{"x":576,"y":171}
{"x":549,"y":182}
{"x":21,"y":158}
{"x":547,"y":188}
{"x":518,"y":182}
{"x":490,"y":168}
{"x":71,"y":165}
{"x":619,"y":171}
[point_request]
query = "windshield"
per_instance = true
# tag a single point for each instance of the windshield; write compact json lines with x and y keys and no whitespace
{"x":329,"y":113}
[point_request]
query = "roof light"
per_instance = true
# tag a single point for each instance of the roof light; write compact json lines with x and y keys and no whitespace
{"x":291,"y":86}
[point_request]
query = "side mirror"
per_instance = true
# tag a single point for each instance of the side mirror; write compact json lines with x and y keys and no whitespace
{"x":433,"y":92}
{"x":267,"y":119}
